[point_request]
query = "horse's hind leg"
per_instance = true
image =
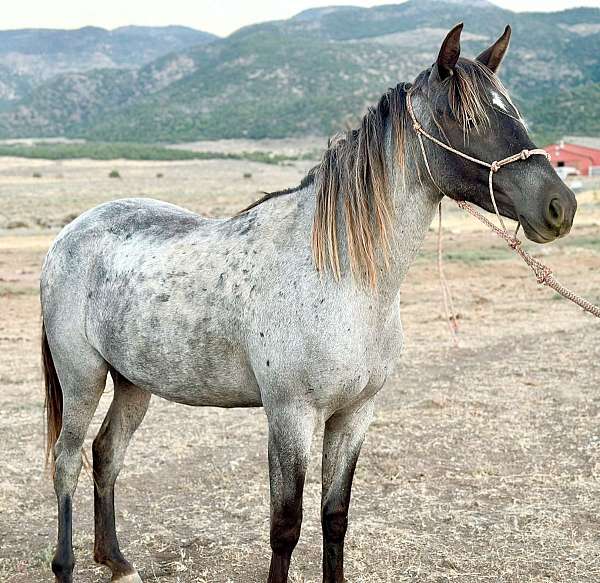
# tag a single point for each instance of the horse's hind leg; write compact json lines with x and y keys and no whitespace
{"x":126,"y":412}
{"x":81,"y":382}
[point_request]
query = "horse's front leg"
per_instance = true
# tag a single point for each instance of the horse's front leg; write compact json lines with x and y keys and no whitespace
{"x":343,"y":438}
{"x":290,"y":434}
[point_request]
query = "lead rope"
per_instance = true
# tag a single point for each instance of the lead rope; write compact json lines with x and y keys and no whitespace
{"x":542,"y":272}
{"x":451,"y":315}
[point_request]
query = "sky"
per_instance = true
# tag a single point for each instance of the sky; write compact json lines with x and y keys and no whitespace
{"x":219,"y":17}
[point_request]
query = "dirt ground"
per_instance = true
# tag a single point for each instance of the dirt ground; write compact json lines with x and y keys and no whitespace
{"x":482,"y":464}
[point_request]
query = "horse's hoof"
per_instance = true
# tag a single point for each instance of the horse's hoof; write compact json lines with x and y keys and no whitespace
{"x":129,"y":578}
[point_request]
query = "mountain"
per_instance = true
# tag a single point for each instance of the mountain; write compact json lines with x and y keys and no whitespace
{"x":30,"y":57}
{"x":315,"y":73}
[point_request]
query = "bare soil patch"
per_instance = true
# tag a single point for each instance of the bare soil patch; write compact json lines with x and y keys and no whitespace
{"x":482,"y":464}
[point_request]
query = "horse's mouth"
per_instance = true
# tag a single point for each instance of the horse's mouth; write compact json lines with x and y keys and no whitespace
{"x":535,"y":235}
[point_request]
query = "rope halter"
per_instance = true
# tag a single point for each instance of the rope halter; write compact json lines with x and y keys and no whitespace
{"x":494,"y":166}
{"x":542,"y":272}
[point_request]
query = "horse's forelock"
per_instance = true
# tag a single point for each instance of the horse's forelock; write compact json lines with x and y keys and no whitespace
{"x":470,"y":94}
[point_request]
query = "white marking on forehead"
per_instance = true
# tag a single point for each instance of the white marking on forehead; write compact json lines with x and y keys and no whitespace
{"x":497,"y":100}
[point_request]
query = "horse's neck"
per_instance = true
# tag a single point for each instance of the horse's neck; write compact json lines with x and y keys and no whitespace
{"x":411,"y":219}
{"x":414,"y":206}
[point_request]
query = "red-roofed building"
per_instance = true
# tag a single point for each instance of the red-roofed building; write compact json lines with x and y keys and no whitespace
{"x":585,"y":159}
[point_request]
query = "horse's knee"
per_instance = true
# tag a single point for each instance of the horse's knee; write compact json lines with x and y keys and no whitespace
{"x":335,"y":524}
{"x":285,"y":529}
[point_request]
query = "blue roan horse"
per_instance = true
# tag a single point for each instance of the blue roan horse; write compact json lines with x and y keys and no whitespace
{"x":291,"y":305}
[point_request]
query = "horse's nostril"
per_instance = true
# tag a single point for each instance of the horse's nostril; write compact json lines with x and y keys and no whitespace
{"x":556,"y":213}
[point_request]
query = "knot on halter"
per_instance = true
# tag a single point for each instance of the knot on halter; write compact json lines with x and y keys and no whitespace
{"x":513,"y":243}
{"x":543,"y":274}
{"x":417,"y":126}
{"x":495,"y":166}
{"x":525,"y":154}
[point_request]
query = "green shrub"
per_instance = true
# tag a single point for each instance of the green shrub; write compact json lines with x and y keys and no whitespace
{"x":114,"y":174}
{"x":16,"y":224}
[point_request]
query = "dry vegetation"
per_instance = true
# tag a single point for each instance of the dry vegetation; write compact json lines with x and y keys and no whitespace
{"x":483,"y":462}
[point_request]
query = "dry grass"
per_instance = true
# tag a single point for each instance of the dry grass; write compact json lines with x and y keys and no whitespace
{"x":482,"y":464}
{"x":67,"y":188}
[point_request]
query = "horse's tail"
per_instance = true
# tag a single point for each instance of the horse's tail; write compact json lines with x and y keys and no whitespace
{"x":53,"y":404}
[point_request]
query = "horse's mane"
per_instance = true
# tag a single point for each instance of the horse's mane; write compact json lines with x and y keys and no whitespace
{"x":354,"y":166}
{"x":352,"y":178}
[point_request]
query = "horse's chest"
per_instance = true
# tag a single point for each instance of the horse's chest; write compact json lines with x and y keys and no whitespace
{"x":340,"y":371}
{"x":352,"y":390}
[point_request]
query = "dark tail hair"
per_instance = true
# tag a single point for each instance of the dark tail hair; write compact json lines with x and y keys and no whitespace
{"x":53,"y":404}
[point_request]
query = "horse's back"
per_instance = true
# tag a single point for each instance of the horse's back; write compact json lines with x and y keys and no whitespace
{"x":125,"y":217}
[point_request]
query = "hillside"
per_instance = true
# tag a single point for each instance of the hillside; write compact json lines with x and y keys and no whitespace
{"x":315,"y":73}
{"x":29,"y":57}
{"x":570,"y":111}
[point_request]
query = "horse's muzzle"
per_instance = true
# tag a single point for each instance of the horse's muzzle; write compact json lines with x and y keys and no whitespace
{"x":555,"y":218}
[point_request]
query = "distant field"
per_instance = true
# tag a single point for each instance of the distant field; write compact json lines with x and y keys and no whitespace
{"x":38,"y":194}
{"x":132,"y":151}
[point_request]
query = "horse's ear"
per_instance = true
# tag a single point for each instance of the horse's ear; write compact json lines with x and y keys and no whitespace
{"x":449,"y":53}
{"x":492,"y":57}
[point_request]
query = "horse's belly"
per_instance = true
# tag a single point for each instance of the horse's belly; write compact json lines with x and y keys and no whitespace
{"x":207,"y":396}
{"x":195,"y":388}
{"x":212,"y":371}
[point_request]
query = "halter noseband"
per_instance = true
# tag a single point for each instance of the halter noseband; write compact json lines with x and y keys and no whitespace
{"x":494,"y":166}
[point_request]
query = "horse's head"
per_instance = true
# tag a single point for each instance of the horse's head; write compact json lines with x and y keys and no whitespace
{"x":463,"y":104}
